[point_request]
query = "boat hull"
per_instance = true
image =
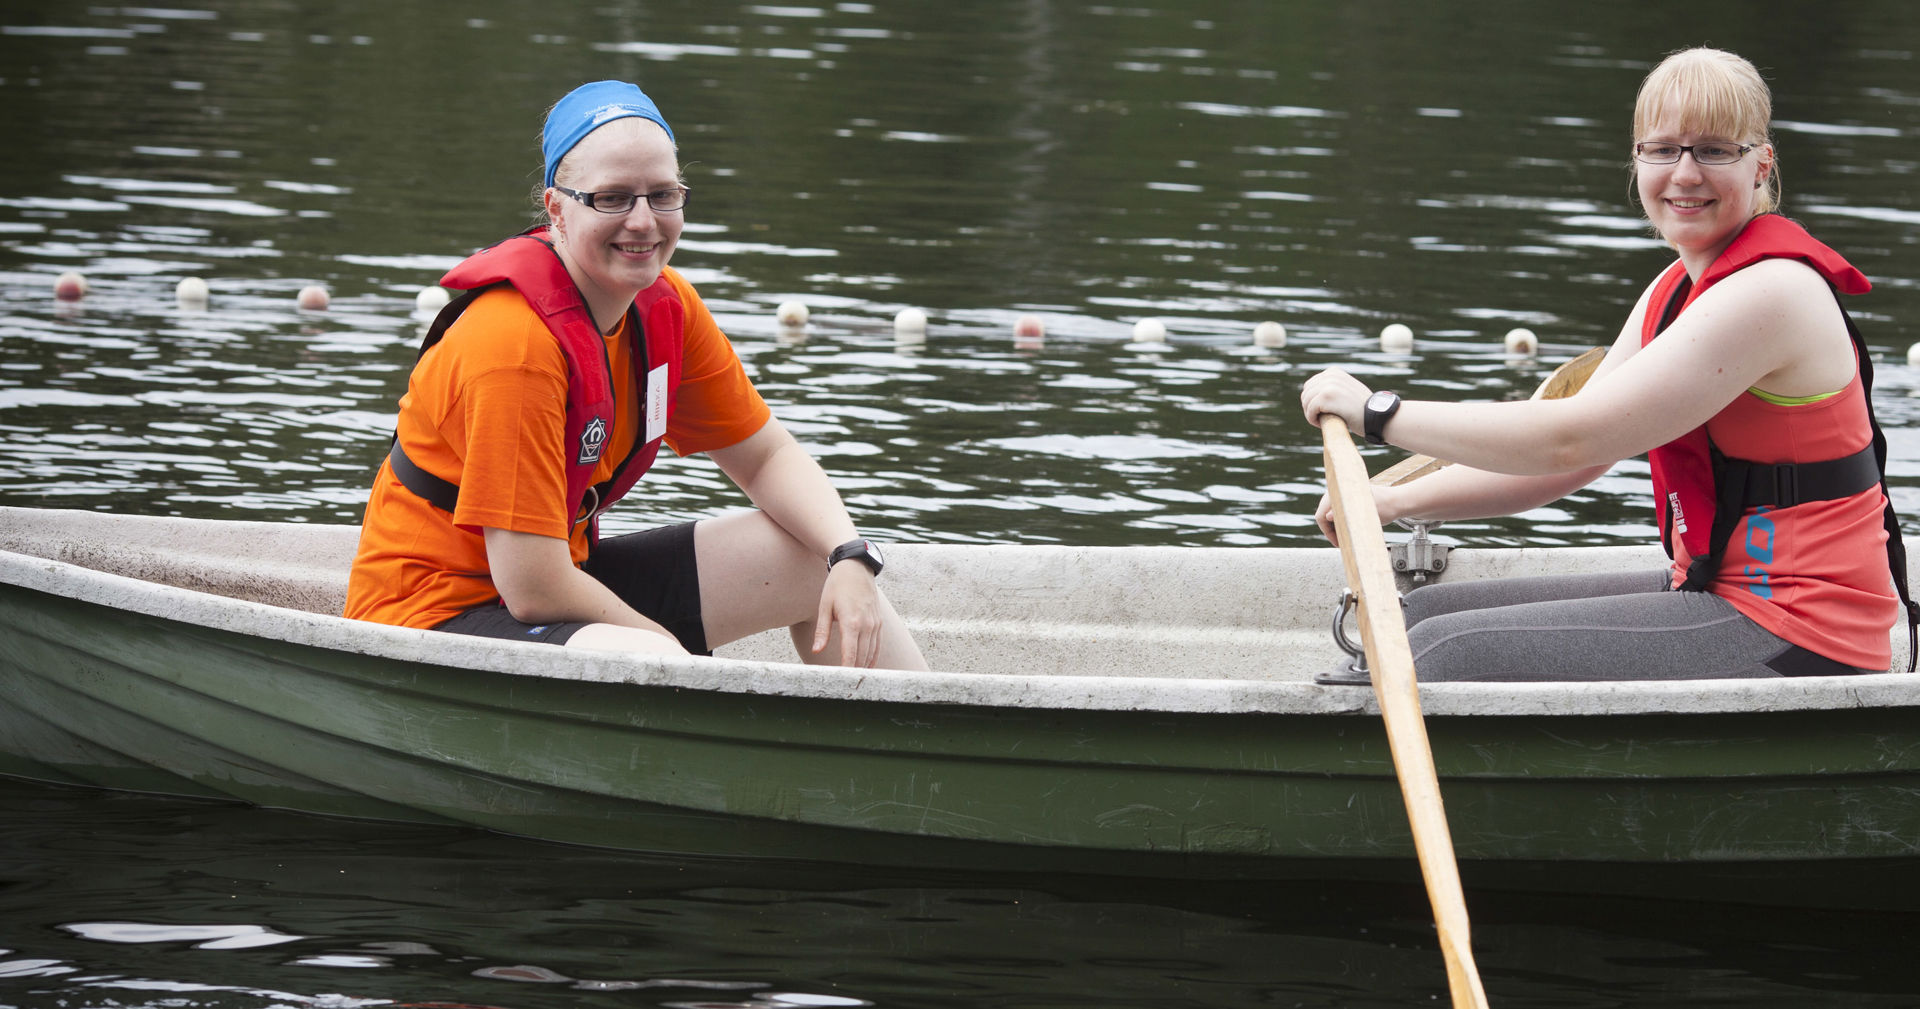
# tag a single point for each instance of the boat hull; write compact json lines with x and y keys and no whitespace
{"x":119,"y":684}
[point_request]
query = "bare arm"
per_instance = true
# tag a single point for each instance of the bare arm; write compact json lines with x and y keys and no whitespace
{"x":1773,"y":325}
{"x":785,"y":482}
{"x":1462,"y":492}
{"x":536,"y":579}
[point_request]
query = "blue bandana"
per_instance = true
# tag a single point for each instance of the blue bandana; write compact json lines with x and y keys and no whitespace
{"x":589,"y":107}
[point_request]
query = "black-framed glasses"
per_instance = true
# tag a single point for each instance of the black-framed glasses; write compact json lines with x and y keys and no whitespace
{"x":1716,"y":153}
{"x":660,"y":201}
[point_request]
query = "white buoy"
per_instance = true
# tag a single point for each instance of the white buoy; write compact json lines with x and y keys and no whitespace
{"x":313,"y":298}
{"x":70,"y":286}
{"x":1396,"y":337}
{"x":1149,"y":331}
{"x":1270,"y":335}
{"x":791,"y":314}
{"x":1913,"y":356}
{"x":1521,"y":340}
{"x":191,"y":292}
{"x":431,"y":299}
{"x":910,"y":325}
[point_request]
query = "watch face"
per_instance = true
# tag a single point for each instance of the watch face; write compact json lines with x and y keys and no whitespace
{"x":1379,"y":400}
{"x":873,"y":551}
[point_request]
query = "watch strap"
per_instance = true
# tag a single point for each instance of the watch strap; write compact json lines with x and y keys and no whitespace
{"x":1374,"y":419}
{"x":860,"y":550}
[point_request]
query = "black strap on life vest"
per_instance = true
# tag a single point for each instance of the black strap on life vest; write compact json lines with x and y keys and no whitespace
{"x":1740,"y":484}
{"x":442,"y":494}
{"x":445,"y":494}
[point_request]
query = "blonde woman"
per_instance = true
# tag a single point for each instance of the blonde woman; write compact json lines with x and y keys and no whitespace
{"x":1742,"y":377}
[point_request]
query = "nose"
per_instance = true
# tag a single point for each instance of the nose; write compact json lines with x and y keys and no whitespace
{"x":1687,"y":169}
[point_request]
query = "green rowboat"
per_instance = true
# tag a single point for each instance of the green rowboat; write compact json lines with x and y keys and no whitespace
{"x":1134,"y":710}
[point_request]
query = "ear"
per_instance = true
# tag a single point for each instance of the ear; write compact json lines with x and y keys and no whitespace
{"x":553,"y":203}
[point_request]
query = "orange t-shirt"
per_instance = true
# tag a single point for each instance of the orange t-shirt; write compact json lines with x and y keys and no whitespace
{"x":486,"y":408}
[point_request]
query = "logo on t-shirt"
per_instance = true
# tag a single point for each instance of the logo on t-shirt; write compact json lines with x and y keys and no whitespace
{"x":592,"y":440}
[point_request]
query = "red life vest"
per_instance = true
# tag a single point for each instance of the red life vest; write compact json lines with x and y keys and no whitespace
{"x":1708,"y":492}
{"x":1683,"y":472}
{"x":528,"y":262}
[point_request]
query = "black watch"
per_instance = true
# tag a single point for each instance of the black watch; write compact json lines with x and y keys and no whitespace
{"x":865,"y":551}
{"x":1381,"y":406}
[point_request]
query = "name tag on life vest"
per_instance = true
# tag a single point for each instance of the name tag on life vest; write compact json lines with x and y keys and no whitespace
{"x":656,"y":404}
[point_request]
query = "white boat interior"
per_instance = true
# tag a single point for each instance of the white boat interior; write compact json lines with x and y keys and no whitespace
{"x":1253,"y":625}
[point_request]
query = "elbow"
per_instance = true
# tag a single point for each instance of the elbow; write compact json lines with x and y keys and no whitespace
{"x":523,"y":610}
{"x":526,"y":601}
{"x":1573,"y":449}
{"x":521,"y":607}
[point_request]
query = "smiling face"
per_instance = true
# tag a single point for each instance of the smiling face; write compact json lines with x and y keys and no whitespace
{"x":1697,"y":96}
{"x":1699,"y":208}
{"x":612,"y":257}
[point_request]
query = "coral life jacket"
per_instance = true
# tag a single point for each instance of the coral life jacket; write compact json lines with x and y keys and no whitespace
{"x":1700,"y":494}
{"x":528,"y":262}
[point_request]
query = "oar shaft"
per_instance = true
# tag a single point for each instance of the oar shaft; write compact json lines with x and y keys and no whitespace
{"x":1383,"y":629}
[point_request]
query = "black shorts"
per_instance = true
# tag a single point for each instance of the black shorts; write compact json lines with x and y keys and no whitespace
{"x":654,"y":571}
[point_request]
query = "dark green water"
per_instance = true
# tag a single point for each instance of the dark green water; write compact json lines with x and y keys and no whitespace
{"x":1331,"y":167}
{"x":1212,"y":164}
{"x":128,"y":901}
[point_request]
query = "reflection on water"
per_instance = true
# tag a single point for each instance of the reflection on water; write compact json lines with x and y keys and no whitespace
{"x":1210,"y":167}
{"x":123,"y":900}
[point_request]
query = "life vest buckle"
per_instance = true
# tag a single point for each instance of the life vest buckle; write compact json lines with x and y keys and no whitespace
{"x":589,"y":506}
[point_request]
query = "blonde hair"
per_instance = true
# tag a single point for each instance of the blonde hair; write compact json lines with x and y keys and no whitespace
{"x":1713,"y":93}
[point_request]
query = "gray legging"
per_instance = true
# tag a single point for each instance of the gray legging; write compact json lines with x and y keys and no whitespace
{"x":1624,"y":626}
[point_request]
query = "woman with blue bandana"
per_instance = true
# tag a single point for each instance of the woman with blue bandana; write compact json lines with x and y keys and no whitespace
{"x":543,"y":394}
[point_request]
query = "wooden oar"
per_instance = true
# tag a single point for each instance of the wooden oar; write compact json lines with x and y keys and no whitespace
{"x":1383,"y":631}
{"x":1563,"y":382}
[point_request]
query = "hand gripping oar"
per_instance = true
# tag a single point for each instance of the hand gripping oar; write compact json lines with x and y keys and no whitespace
{"x":1563,"y":382}
{"x":1389,"y":658}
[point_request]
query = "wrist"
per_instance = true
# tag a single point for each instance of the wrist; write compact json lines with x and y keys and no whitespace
{"x":865,"y":551}
{"x":1379,"y":409}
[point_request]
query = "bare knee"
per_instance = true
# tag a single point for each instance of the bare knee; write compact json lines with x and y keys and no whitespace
{"x":615,"y":637}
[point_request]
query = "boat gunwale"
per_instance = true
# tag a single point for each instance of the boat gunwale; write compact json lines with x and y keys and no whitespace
{"x":726,"y":675}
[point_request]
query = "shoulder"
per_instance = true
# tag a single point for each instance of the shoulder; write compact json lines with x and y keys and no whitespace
{"x":682,"y":288}
{"x":501,"y":330}
{"x":1783,"y":270}
{"x":499,"y":305}
{"x":1778,"y":286}
{"x":701,"y":327}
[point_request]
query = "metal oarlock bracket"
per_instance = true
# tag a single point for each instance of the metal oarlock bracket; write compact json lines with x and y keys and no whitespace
{"x":1355,"y":673}
{"x":1419,"y":555}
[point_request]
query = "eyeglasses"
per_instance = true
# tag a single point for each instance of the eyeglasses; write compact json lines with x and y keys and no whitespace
{"x":660,"y":201}
{"x":1703,"y":154}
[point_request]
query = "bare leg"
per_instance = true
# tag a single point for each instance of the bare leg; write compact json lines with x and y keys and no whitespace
{"x":754,"y":576}
{"x":625,"y":639}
